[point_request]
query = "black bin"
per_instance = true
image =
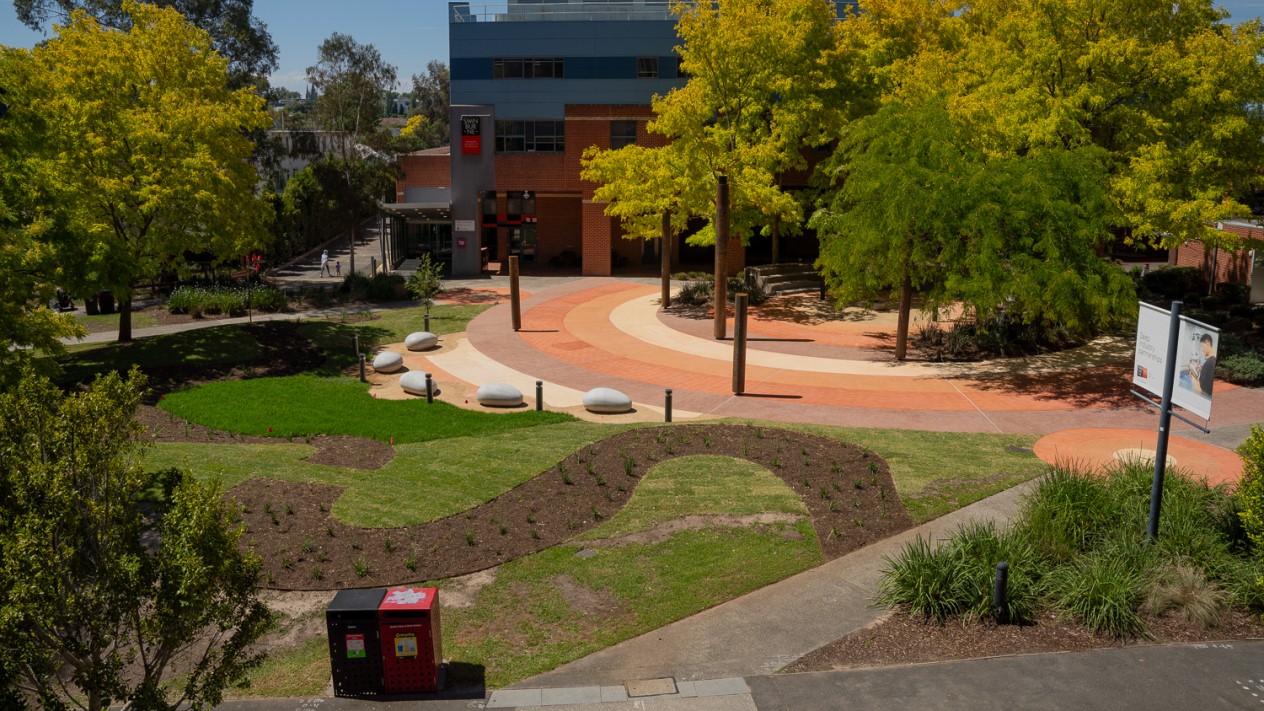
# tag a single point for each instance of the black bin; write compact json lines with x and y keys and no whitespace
{"x":355,"y":647}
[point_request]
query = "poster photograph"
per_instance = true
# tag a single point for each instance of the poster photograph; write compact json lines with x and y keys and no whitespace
{"x":1195,"y":366}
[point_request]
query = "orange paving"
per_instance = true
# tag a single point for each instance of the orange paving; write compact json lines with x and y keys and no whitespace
{"x":465,"y":296}
{"x":575,"y":332}
{"x":1098,"y":448}
{"x":576,"y":328}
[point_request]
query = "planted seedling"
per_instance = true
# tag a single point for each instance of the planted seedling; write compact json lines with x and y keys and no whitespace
{"x":411,"y":561}
{"x":361,"y":568}
{"x":388,"y":545}
{"x":318,"y":574}
{"x":469,"y":539}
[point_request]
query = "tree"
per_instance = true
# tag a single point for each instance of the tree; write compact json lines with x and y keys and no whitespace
{"x":25,"y":260}
{"x":1251,"y":492}
{"x":757,"y":74}
{"x":236,"y":34}
{"x":427,"y":282}
{"x":352,"y":79}
{"x":1166,"y":89}
{"x":915,"y":205}
{"x":143,"y":151}
{"x":99,"y":597}
{"x":431,"y":97}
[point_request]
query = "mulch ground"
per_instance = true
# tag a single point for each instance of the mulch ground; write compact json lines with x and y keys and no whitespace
{"x":847,"y":489}
{"x":908,"y":639}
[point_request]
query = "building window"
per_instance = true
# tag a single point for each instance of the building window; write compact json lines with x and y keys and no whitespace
{"x":622,"y":133}
{"x":647,"y":67}
{"x":530,"y":137}
{"x":527,"y":68}
{"x":680,"y":69}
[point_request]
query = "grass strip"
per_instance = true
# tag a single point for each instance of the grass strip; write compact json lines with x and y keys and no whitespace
{"x":302,"y":405}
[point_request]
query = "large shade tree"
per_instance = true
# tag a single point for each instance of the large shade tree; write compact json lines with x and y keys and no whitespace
{"x":1169,"y":91}
{"x":26,"y":261}
{"x":143,"y":150}
{"x":235,"y":33}
{"x":352,"y":80}
{"x":110,"y":575}
{"x":914,"y":205}
{"x":755,"y":95}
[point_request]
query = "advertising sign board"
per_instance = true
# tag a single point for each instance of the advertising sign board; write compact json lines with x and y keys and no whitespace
{"x":471,"y":135}
{"x":1195,"y":366}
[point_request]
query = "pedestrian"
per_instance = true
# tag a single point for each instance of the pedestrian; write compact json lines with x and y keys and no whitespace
{"x":324,"y":264}
{"x":338,"y":269}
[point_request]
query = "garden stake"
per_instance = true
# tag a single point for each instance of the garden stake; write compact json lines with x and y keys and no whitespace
{"x":539,"y":395}
{"x":667,"y":409}
{"x":429,"y":389}
{"x":1000,"y":605}
{"x":363,"y":379}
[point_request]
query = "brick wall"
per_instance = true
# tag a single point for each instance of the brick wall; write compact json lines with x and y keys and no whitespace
{"x":1231,"y":265}
{"x":597,"y":232}
{"x":423,"y":171}
{"x":560,"y":226}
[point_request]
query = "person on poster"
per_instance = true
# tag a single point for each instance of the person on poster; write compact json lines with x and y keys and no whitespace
{"x":1202,"y":370}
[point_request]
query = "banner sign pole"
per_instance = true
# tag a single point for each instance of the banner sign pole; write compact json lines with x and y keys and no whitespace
{"x":1165,"y":420}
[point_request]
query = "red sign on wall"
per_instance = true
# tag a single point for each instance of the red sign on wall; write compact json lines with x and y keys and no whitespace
{"x":471,"y":135}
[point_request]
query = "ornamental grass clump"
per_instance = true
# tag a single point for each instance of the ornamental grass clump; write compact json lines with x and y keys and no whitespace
{"x":1079,"y":548}
{"x":198,"y":301}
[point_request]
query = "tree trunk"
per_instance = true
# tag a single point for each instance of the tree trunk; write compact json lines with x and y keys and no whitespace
{"x":776,"y":239}
{"x":125,"y":315}
{"x":664,"y":269}
{"x":721,"y":256}
{"x":906,"y":305}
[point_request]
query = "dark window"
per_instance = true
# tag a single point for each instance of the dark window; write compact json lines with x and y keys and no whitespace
{"x":519,"y":68}
{"x":647,"y":67}
{"x":680,"y":69}
{"x":622,"y":133}
{"x":530,"y":137}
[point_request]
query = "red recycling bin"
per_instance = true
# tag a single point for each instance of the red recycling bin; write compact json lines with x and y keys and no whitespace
{"x":408,"y":620}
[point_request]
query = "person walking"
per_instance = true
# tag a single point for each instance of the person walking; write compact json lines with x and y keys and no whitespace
{"x":338,"y":268}
{"x":324,"y":264}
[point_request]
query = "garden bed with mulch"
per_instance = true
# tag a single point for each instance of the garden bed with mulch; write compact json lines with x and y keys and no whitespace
{"x":847,"y":489}
{"x":902,"y":639}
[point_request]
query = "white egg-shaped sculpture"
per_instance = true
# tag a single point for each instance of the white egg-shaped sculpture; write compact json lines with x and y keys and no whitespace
{"x":388,"y":362}
{"x":607,"y":401}
{"x":498,"y":395}
{"x":414,"y":383}
{"x":421,"y":341}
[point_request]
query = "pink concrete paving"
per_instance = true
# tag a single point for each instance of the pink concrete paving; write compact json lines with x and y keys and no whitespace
{"x":807,"y":365}
{"x":1097,"y":449}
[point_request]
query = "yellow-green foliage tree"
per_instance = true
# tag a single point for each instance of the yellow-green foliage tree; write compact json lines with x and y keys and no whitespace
{"x":143,"y":150}
{"x":1168,"y":90}
{"x":28,"y":284}
{"x":1251,"y":491}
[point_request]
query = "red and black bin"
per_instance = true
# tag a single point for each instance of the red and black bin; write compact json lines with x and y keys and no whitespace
{"x":408,"y":620}
{"x":384,"y":641}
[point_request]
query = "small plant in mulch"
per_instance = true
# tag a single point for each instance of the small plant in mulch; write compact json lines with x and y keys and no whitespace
{"x":469,"y":539}
{"x":388,"y":545}
{"x":361,"y":568}
{"x":411,"y":561}
{"x":318,"y":574}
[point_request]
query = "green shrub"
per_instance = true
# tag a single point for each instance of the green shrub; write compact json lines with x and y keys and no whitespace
{"x":1105,"y":588}
{"x":977,"y":548}
{"x":1184,"y":590}
{"x":1232,"y":293}
{"x":1067,"y":514}
{"x":1251,"y":497}
{"x":1173,"y":282}
{"x":925,"y":579}
{"x":233,"y":300}
{"x":1242,"y":369}
{"x":702,"y":291}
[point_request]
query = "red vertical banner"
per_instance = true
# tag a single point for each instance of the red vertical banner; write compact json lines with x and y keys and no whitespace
{"x":471,"y":135}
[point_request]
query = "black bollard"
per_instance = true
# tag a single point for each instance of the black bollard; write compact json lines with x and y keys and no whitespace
{"x":429,"y":389}
{"x":822,"y":288}
{"x":667,"y":409}
{"x":539,"y":396}
{"x":355,"y":344}
{"x":362,"y":378}
{"x":427,"y":328}
{"x":1000,"y":603}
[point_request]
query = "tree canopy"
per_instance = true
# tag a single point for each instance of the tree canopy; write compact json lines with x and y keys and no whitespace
{"x":99,"y":592}
{"x":26,"y":260}
{"x":235,"y":33}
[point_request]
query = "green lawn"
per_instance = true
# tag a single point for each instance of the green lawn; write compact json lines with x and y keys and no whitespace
{"x":109,"y":322}
{"x":204,"y":346}
{"x":308,"y":404}
{"x":334,"y":335}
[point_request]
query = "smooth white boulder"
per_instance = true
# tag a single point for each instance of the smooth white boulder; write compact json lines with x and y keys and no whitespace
{"x":498,"y":395}
{"x":414,"y":383}
{"x":421,"y":341}
{"x":388,"y":362}
{"x":607,"y":400}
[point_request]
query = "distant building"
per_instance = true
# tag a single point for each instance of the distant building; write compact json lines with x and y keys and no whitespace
{"x":1233,"y":266}
{"x":298,"y":149}
{"x":533,"y":84}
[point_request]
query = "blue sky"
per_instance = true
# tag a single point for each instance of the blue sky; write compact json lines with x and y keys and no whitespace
{"x":408,"y":33}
